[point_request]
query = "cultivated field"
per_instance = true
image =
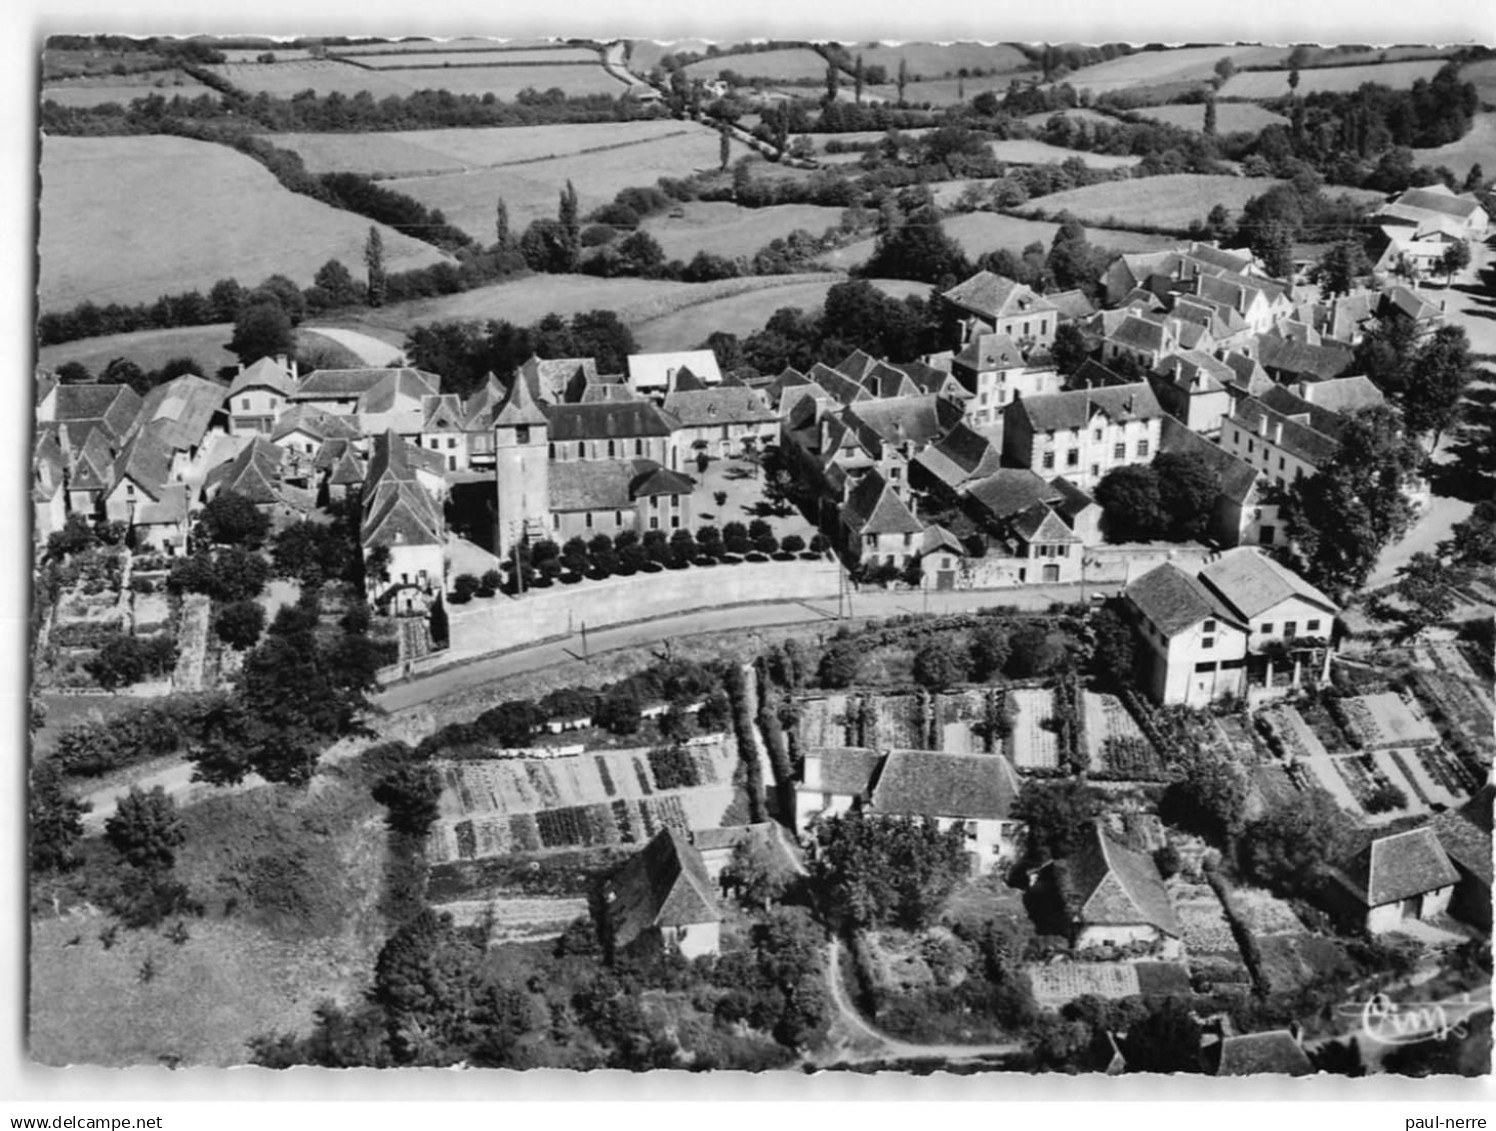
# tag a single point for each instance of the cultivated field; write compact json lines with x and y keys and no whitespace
{"x":726,"y":229}
{"x":745,"y":313}
{"x":533,"y":189}
{"x":506,"y":82}
{"x":1035,"y":745}
{"x":325,"y":76}
{"x":1231,"y":117}
{"x":645,"y":53}
{"x":1147,"y":68}
{"x":251,"y":54}
{"x":947,"y":92}
{"x":1114,"y":742}
{"x":128,"y":219}
{"x":939,"y":60}
{"x":475,"y":56}
{"x":1169,"y":201}
{"x":1028,"y":152}
{"x":1075,"y":114}
{"x":775,"y":66}
{"x":1483,"y":75}
{"x":425,"y":46}
{"x":124,"y":89}
{"x":1478,"y":147}
{"x":423,"y":152}
{"x":1274,"y":84}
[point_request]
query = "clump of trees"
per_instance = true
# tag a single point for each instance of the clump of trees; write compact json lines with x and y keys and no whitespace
{"x":887,"y":871}
{"x":1172,"y":498}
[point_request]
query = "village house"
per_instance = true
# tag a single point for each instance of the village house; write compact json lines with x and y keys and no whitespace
{"x":1191,"y":386}
{"x":1276,"y":1052}
{"x":1438,"y":203}
{"x":1111,"y":895}
{"x":663,"y":897}
{"x":1287,"y":618}
{"x":383,"y":400}
{"x":402,"y":523}
{"x":974,"y":791}
{"x":876,"y":525}
{"x":262,"y":473}
{"x":833,"y":781}
{"x":655,"y":373}
{"x":1235,"y":517}
{"x":725,"y":420}
{"x":990,"y":304}
{"x":1083,"y":434}
{"x":632,"y":429}
{"x":444,"y":430}
{"x":767,"y":839}
{"x":590,"y":497}
{"x":1194,"y":646}
{"x":304,"y":429}
{"x":1392,"y":879}
{"x":48,"y":472}
{"x":994,"y":373}
{"x":259,"y":394}
{"x":1465,"y":836}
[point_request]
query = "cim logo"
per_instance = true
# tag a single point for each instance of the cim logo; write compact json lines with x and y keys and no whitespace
{"x":1405,"y":1023}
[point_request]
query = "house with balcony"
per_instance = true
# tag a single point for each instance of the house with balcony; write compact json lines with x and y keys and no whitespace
{"x":1193,"y":645}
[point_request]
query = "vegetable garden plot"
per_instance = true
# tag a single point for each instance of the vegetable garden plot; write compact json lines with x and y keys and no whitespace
{"x":1391,"y":769}
{"x":1115,"y":743}
{"x":1387,"y":719}
{"x":956,"y":714}
{"x":1436,"y":774}
{"x":1296,"y":737}
{"x":1206,"y":929}
{"x":899,"y":724}
{"x":1063,"y":982}
{"x":1035,"y":745}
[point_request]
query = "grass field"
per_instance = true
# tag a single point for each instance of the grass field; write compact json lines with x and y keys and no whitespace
{"x":743,"y":314}
{"x":506,"y":82}
{"x":644,"y":54}
{"x":1028,"y":152}
{"x":127,"y":219}
{"x":1478,"y":147}
{"x":1171,"y":201}
{"x":1231,"y":117}
{"x":981,"y":232}
{"x":250,"y":54}
{"x":1274,"y":84}
{"x":475,"y":56}
{"x":1483,"y":75}
{"x":532,"y":190}
{"x":1076,"y":114}
{"x":939,"y":60}
{"x":725,"y":229}
{"x":775,"y":66}
{"x":426,"y":152}
{"x":124,"y":88}
{"x":1147,"y":68}
{"x":1380,"y":55}
{"x":420,"y":46}
{"x":321,"y":75}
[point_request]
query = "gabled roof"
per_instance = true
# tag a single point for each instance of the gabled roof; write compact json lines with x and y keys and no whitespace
{"x":1091,"y":374}
{"x":847,"y":770}
{"x":169,"y":510}
{"x":1341,"y":394}
{"x":1140,"y":334}
{"x":928,"y":783}
{"x":1072,"y":305}
{"x":347,"y":469}
{"x":1251,"y":583}
{"x":267,"y":373}
{"x":178,"y":413}
{"x":443,"y":413}
{"x":1400,"y":300}
{"x":1397,"y":867}
{"x":1297,"y":439}
{"x":889,"y":381}
{"x":145,"y":462}
{"x":1175,"y":602}
{"x":1039,"y":523}
{"x":857,"y":365}
{"x":1237,"y":477}
{"x":1431,"y":200}
{"x":663,"y":885}
{"x":397,"y":385}
{"x":650,"y":478}
{"x":1009,"y":490}
{"x":590,"y":485}
{"x":316,"y":423}
{"x":1235,"y":262}
{"x":397,"y":509}
{"x":480,"y":406}
{"x":609,"y":420}
{"x":116,"y":407}
{"x":993,"y":296}
{"x":553,"y":379}
{"x":1465,"y":840}
{"x":961,"y":454}
{"x":916,"y":420}
{"x":1105,"y":883}
{"x":46,"y":383}
{"x":254,"y":473}
{"x":704,"y":406}
{"x":1247,"y":374}
{"x":1257,"y":1054}
{"x":653,"y":370}
{"x":93,"y":464}
{"x":1196,"y":372}
{"x":873,"y":507}
{"x":1052,"y":412}
{"x":842,"y":388}
{"x":341,"y":384}
{"x":1302,"y":359}
{"x":937,"y":538}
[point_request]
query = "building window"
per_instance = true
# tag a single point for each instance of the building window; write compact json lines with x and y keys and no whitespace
{"x":1025,"y":329}
{"x":908,"y":540}
{"x":522,"y":434}
{"x":1251,"y":447}
{"x":1280,"y":463}
{"x":451,"y":441}
{"x":1266,"y":535}
{"x":1022,"y":576}
{"x":654,"y":522}
{"x":1266,"y":629}
{"x":1072,"y":458}
{"x":617,"y":518}
{"x":1205,"y":666}
{"x":1142,"y":447}
{"x":1312,"y":626}
{"x":1208,"y":642}
{"x":872,"y":539}
{"x":1049,"y":459}
{"x":555,"y":522}
{"x":1290,"y":630}
{"x":587,"y":520}
{"x":553,"y":451}
{"x":893,"y":474}
{"x":1119,"y":451}
{"x":675,"y":522}
{"x":1096,"y":434}
{"x":612,"y":449}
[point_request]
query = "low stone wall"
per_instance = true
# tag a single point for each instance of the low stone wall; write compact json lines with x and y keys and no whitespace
{"x":498,"y":623}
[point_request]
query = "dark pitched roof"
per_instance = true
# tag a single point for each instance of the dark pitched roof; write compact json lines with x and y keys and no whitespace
{"x":857,"y":365}
{"x":889,"y":381}
{"x":1400,"y":300}
{"x":1140,"y":334}
{"x":613,"y":420}
{"x":928,"y":783}
{"x":1010,"y":490}
{"x":1397,"y":867}
{"x":343,"y":384}
{"x":1174,"y":601}
{"x":652,"y":479}
{"x":1105,"y":883}
{"x":873,"y":507}
{"x":848,"y":770}
{"x":267,"y":373}
{"x":397,"y":385}
{"x":591,"y":484}
{"x":254,"y":473}
{"x":1298,"y":439}
{"x":1465,"y":841}
{"x":993,"y":296}
{"x":1039,"y":523}
{"x":842,"y":388}
{"x":116,"y":407}
{"x":146,"y":462}
{"x":988,"y":352}
{"x":917,"y":420}
{"x":1073,"y":305}
{"x":1091,"y":374}
{"x":1052,"y":412}
{"x":664,"y":884}
{"x":706,"y":406}
{"x":552,"y":379}
{"x":961,"y":454}
{"x":1257,"y":1054}
{"x":1300,"y":359}
{"x":397,"y":509}
{"x":1237,"y":477}
{"x":179,"y":412}
{"x":92,"y":465}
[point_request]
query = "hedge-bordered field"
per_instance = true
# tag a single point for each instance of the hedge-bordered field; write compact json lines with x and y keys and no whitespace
{"x":1274,"y":84}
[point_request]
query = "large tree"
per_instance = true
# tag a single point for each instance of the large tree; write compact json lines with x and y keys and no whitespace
{"x":1056,"y":816}
{"x":146,"y":830}
{"x":1338,"y":269}
{"x":1443,"y":365}
{"x":230,"y":519}
{"x":887,"y":870}
{"x":54,"y":821}
{"x":262,"y":328}
{"x":1072,"y":260}
{"x":915,"y":246}
{"x":1288,"y":847}
{"x":569,"y":215}
{"x":1187,"y":492}
{"x":374,"y":266}
{"x":1131,"y":504}
{"x":939,"y":663}
{"x":1341,"y":519}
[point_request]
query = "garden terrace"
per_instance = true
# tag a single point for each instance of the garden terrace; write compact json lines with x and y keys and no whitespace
{"x":1387,"y":719}
{"x":1116,"y":746}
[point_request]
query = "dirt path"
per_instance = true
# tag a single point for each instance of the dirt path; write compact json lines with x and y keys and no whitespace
{"x":860,"y":1042}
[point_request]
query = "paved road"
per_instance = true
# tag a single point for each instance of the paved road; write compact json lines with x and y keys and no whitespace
{"x":476,"y":673}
